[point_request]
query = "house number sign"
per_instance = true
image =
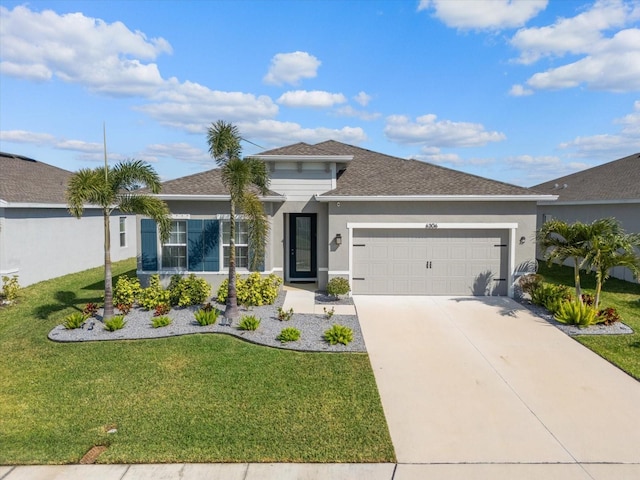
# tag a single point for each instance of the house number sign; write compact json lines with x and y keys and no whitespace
{"x":431,"y":225}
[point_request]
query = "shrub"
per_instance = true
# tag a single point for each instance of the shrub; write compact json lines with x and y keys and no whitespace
{"x":588,"y":299}
{"x":338,"y":286}
{"x":161,"y":309}
{"x":329,"y":313}
{"x":608,"y":316}
{"x":162,"y":321}
{"x":253,"y":290}
{"x":126,"y":291}
{"x":550,"y":296}
{"x":154,"y":295}
{"x":339,"y":334}
{"x":530,"y":282}
{"x":90,"y":309}
{"x":10,"y":288}
{"x":576,"y":313}
{"x":207,"y":317}
{"x":288,"y":334}
{"x":124,"y":308}
{"x":74,"y":320}
{"x":249,"y":322}
{"x":186,"y":291}
{"x":115,"y":323}
{"x":285,"y":315}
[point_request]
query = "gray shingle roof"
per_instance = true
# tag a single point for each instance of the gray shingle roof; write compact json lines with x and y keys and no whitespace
{"x":376,"y":174}
{"x":616,"y":180}
{"x":298,"y":149}
{"x":24,"y":180}
{"x":203,"y":183}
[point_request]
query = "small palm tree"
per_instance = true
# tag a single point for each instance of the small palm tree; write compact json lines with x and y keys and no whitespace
{"x":117,"y":188}
{"x":560,"y":241}
{"x":245,"y":179}
{"x":609,"y":247}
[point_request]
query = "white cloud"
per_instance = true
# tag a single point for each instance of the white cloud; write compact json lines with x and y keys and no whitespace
{"x":178,"y":151}
{"x":426,"y":130}
{"x":313,"y":99}
{"x":48,"y":140}
{"x":520,"y":91}
{"x":192,"y":107}
{"x":277,"y":133}
{"x":290,"y":68}
{"x":609,"y":146}
{"x":362,"y":99}
{"x":542,"y":168}
{"x":349,"y":111}
{"x":605,"y":63}
{"x":107,"y":58}
{"x":484,"y":14}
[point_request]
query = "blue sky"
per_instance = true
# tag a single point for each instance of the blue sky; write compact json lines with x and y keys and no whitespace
{"x":518,"y":91}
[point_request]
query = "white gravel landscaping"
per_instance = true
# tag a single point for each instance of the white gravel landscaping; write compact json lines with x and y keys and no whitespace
{"x":138,"y":326}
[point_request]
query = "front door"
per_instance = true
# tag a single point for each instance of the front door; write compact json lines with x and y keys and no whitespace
{"x":302,"y":246}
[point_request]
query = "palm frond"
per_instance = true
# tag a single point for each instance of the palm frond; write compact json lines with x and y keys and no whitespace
{"x":257,"y":225}
{"x":224,"y":142}
{"x":132,"y":175}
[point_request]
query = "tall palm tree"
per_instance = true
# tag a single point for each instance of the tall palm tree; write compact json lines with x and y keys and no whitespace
{"x":560,"y":241}
{"x":116,"y":188}
{"x":245,"y":179}
{"x":609,"y":247}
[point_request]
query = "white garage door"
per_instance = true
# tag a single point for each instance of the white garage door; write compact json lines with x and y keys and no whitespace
{"x":430,"y":262}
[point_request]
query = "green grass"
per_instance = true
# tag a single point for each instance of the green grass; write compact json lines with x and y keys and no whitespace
{"x":621,"y":350}
{"x":200,"y":398}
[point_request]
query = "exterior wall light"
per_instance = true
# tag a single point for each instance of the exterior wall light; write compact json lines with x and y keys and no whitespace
{"x":522,"y":240}
{"x":338,"y":239}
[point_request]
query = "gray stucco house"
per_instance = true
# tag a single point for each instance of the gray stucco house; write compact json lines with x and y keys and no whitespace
{"x":39,"y":239}
{"x":608,"y":190}
{"x":389,"y":225}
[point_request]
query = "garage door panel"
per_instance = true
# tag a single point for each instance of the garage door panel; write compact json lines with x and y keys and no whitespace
{"x":461,"y":262}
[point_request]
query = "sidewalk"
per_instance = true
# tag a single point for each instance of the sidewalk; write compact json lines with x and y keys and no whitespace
{"x":332,"y":471}
{"x":301,"y":298}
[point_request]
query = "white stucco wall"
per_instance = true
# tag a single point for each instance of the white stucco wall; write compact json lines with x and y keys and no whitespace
{"x":43,"y":243}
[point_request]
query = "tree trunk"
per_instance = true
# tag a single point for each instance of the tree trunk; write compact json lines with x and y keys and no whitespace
{"x":576,"y":279}
{"x":231,"y":312}
{"x":599,"y":277}
{"x":108,"y":287}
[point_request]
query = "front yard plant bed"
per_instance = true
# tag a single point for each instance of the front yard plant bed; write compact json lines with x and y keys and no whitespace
{"x":139,"y":326}
{"x":192,"y":398}
{"x":621,"y":350}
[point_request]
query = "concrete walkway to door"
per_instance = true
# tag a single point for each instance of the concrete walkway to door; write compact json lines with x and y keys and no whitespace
{"x":481,"y":380}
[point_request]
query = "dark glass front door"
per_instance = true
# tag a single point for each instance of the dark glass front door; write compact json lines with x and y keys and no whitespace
{"x":302,"y":246}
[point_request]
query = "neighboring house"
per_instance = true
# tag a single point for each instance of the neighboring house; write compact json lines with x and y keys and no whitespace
{"x":391,"y":226}
{"x":608,"y":190}
{"x":39,"y":239}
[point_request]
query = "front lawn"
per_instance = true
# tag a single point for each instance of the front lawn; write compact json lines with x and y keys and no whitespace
{"x":621,"y":350}
{"x":200,"y":398}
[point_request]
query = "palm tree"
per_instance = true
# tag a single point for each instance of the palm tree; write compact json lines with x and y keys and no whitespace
{"x":609,"y":247}
{"x":560,"y":241}
{"x":245,"y":179}
{"x":117,"y":188}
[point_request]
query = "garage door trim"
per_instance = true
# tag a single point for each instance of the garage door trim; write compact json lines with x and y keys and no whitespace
{"x":442,"y":226}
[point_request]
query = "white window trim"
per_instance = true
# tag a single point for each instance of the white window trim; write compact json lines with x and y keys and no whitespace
{"x":239,"y":218}
{"x":186,"y":245}
{"x":351,"y":226}
{"x":121,"y":232}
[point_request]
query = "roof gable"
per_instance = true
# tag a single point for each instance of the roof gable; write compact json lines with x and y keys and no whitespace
{"x":616,"y":180}
{"x":24,"y":180}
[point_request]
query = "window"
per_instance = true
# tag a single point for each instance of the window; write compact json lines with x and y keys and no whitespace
{"x":546,"y":217}
{"x":174,"y":252}
{"x":123,"y":231}
{"x":242,"y":244}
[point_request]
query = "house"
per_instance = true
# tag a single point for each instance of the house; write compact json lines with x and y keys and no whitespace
{"x":389,"y":225}
{"x":608,"y":190}
{"x":39,"y":239}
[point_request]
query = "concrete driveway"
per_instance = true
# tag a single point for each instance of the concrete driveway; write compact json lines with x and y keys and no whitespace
{"x":481,"y":380}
